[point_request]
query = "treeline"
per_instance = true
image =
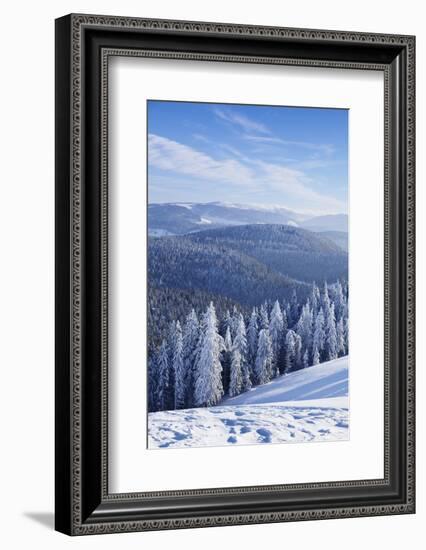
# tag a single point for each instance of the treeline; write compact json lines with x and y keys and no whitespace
{"x":172,"y":304}
{"x":201,"y":361}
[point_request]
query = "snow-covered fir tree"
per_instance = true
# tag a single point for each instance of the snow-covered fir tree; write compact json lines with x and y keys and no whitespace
{"x":235,"y":319}
{"x":228,"y":340}
{"x":240,"y":343}
{"x":298,"y":359}
{"x":338,"y":300}
{"x":340,"y":337}
{"x":208,"y":370}
{"x":290,"y":350}
{"x":263,"y":363}
{"x":171,"y":343}
{"x":285,"y":320}
{"x":226,"y":322}
{"x":191,"y":335}
{"x":330,"y":343}
{"x":305,"y":359}
{"x":319,"y":333}
{"x":294,"y":309}
{"x":315,"y":298}
{"x":287,"y":310}
{"x":346,"y":334}
{"x":152,"y":384}
{"x":316,"y":356}
{"x":178,"y":369}
{"x":235,"y":382}
{"x":163,"y":399}
{"x":325,"y":301}
{"x":252,"y":336}
{"x":276,"y":331}
{"x":227,"y":360}
{"x":304,"y":328}
{"x":263,"y":317}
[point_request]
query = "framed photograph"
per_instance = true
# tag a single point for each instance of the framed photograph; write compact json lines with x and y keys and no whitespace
{"x":234,"y":274}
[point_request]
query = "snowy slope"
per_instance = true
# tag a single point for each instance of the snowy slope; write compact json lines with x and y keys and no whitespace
{"x":308,"y":405}
{"x":322,"y":381}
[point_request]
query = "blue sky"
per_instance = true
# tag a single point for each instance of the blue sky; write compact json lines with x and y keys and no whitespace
{"x":294,"y":157}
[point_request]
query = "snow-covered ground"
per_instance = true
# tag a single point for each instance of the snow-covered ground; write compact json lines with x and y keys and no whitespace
{"x":322,"y":382}
{"x":307,"y":405}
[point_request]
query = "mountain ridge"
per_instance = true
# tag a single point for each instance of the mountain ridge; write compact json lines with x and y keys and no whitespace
{"x":293,"y":252}
{"x":181,"y":262}
{"x":247,"y":264}
{"x":179,"y":218}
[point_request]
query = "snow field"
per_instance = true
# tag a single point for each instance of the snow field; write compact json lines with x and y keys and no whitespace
{"x":307,"y":405}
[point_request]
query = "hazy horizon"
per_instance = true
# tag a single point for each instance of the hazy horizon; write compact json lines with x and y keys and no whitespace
{"x":245,"y":205}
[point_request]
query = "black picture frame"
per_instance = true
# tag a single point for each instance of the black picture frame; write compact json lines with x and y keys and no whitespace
{"x":83,"y":45}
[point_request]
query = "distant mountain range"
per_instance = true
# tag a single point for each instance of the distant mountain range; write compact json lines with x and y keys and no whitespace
{"x":167,"y":219}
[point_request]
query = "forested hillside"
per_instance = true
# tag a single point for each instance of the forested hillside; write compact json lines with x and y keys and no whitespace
{"x":341,"y":238}
{"x":296,"y":253}
{"x":214,"y":267}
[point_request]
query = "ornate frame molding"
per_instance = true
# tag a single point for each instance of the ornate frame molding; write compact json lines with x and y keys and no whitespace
{"x":72,"y":46}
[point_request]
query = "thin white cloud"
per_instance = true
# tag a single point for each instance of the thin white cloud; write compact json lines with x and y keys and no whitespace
{"x":235,"y":152}
{"x":263,"y":139}
{"x":311,"y":164}
{"x":295,"y":183}
{"x":322,"y":147}
{"x":257,"y":177}
{"x":201,"y":137}
{"x":170,"y":155}
{"x":247,"y":124}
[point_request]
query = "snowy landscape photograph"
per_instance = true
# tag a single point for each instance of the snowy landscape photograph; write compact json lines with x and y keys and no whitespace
{"x":248,"y":290}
